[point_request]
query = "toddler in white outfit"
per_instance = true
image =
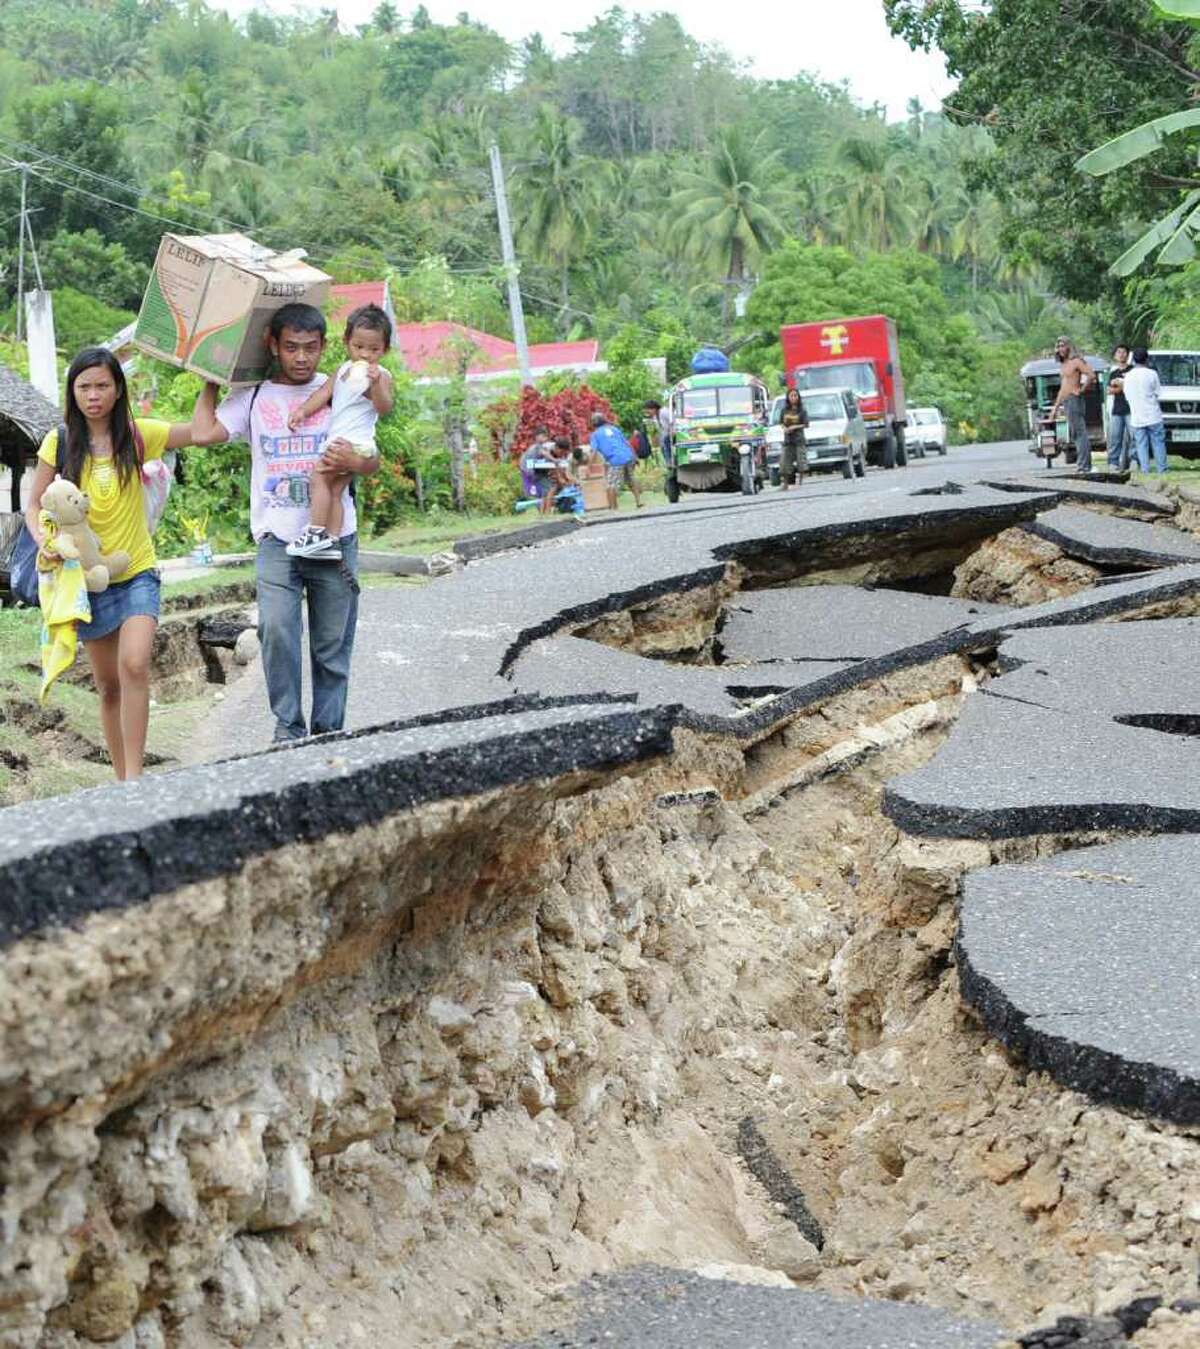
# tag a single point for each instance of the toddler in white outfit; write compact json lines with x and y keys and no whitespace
{"x":361,"y":393}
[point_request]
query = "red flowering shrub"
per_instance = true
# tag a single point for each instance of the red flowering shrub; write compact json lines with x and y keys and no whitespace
{"x":566,"y":413}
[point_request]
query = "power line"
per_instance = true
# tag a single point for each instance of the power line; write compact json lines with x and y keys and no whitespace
{"x":39,"y":172}
{"x":137,"y":190}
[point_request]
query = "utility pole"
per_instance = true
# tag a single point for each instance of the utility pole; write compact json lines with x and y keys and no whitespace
{"x":21,"y":251}
{"x":515,"y":309}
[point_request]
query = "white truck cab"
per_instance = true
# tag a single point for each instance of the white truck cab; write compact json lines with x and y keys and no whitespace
{"x":1179,"y":375}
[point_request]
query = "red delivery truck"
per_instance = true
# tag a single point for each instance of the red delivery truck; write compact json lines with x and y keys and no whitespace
{"x":859,"y":354}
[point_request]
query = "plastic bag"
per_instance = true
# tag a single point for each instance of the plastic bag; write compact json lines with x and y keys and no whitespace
{"x":709,"y":361}
{"x":156,"y":487}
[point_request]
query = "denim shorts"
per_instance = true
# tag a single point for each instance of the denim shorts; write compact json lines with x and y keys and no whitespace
{"x":122,"y":600}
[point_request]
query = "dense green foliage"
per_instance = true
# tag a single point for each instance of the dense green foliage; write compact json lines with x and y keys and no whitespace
{"x":1051,"y":79}
{"x":944,"y":361}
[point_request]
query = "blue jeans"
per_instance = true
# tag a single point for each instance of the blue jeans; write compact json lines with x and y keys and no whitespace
{"x":1145,"y":437}
{"x":332,"y":617}
{"x":1120,"y":440}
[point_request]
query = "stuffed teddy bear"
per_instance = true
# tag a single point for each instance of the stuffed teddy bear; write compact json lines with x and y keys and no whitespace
{"x":66,"y":534}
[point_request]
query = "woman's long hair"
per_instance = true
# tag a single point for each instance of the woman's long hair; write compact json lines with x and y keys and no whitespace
{"x":787,"y":398}
{"x":124,"y":450}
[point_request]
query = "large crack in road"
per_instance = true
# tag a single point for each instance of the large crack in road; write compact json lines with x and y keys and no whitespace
{"x":658,"y":995}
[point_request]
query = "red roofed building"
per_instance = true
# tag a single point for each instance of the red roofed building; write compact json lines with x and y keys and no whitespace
{"x":430,"y":350}
{"x":346,"y":299}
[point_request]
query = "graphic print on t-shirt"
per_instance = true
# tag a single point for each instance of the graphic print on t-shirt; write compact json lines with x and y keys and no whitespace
{"x":287,"y":456}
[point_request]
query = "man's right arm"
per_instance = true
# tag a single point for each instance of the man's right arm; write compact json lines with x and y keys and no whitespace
{"x":207,"y":428}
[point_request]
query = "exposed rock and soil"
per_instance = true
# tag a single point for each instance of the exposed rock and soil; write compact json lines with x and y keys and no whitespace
{"x":408,"y":1088}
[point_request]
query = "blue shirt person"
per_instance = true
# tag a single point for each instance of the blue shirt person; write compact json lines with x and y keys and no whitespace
{"x":609,"y":442}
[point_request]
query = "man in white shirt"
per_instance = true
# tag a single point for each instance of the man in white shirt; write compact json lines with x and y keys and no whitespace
{"x":1141,"y":389}
{"x":281,"y":463}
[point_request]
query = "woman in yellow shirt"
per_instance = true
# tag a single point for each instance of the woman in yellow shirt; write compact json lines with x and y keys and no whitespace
{"x":102,"y":458}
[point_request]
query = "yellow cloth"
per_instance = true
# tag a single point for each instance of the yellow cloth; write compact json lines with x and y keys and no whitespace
{"x":117,"y":514}
{"x":62,"y":593}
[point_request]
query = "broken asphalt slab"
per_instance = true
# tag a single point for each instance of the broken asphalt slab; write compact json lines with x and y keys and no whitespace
{"x":1061,"y":745}
{"x":1085,"y":965}
{"x":1114,"y":541}
{"x":560,"y":665}
{"x":838,"y":622}
{"x":1093,"y":492}
{"x":124,"y":843}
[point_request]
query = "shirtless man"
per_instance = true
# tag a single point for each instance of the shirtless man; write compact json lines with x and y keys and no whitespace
{"x":1076,"y":376}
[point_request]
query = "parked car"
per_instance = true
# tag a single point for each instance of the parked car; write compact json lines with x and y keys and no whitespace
{"x":836,"y":436}
{"x":1179,"y":374}
{"x":926,"y":431}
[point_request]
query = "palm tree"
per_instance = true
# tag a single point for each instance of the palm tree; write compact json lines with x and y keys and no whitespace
{"x":974,"y":236}
{"x":878,"y":206}
{"x":385,"y":19}
{"x":557,"y":196}
{"x":731,"y":208}
{"x":1025,"y":314}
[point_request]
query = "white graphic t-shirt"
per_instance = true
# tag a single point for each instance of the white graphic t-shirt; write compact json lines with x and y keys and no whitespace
{"x":281,"y":460}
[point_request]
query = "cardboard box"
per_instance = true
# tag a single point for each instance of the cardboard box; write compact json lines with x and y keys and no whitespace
{"x":591,"y":483}
{"x":210,"y":299}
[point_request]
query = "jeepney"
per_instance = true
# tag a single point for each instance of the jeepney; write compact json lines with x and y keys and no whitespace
{"x":1042,"y":378}
{"x":720,"y":434}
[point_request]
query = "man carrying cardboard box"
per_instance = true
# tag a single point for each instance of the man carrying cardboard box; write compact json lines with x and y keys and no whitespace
{"x":282,"y":461}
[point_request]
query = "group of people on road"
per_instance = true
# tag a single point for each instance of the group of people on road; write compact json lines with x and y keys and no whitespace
{"x":1135,"y":417}
{"x":310,"y":436}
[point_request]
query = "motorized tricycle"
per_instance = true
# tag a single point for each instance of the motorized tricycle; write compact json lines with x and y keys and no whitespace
{"x":720,"y":434}
{"x":1043,"y":378}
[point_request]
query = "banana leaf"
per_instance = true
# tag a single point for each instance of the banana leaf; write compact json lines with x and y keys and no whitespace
{"x":1160,"y":232}
{"x":1181,"y":247}
{"x":1179,"y":9}
{"x":1131,"y":145}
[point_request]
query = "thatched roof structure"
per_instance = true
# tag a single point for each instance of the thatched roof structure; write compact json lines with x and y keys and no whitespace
{"x":25,"y":417}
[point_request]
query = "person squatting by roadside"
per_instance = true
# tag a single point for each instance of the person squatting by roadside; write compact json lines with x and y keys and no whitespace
{"x":1141,"y":388}
{"x":561,"y":474}
{"x":105,"y":448}
{"x":359,"y":394}
{"x":610,"y":444}
{"x":1077,"y":376}
{"x":282,"y":462}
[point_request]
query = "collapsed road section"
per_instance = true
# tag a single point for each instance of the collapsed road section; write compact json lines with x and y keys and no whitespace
{"x":401,"y":1035}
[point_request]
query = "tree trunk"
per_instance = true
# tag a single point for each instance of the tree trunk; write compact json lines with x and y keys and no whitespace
{"x":458,"y":487}
{"x":737,"y":274}
{"x":564,"y":298}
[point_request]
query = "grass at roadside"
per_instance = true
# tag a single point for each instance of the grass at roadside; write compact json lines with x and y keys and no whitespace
{"x":1180,"y":472}
{"x":209,"y":580}
{"x":436,"y":533}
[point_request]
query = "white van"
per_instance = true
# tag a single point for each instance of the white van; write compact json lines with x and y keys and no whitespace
{"x":925,"y":431}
